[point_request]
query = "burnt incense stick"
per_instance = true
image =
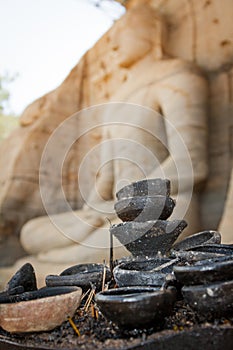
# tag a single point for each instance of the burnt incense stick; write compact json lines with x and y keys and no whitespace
{"x":111,"y":253}
{"x":110,"y":248}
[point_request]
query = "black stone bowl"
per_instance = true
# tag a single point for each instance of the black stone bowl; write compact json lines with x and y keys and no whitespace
{"x":205,"y":271}
{"x":24,"y":279}
{"x":144,"y":208}
{"x":211,"y":300}
{"x":150,"y":272}
{"x":83,"y":275}
{"x":203,"y":252}
{"x":218,"y":249}
{"x":148,"y":187}
{"x":200,"y":238}
{"x":136,"y":307}
{"x":148,"y":238}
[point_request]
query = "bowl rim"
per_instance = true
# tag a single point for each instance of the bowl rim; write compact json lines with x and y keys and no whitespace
{"x":94,"y":267}
{"x":144,"y":198}
{"x":206,"y":265}
{"x":214,"y":234}
{"x":73,"y":289}
{"x":141,"y":293}
{"x":166,"y":182}
{"x":149,"y":260}
{"x":150,"y":223}
{"x":198,"y":288}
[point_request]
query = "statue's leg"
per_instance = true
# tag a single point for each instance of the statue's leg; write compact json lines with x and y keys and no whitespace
{"x":95,"y":248}
{"x":40,"y":234}
{"x":57,"y":231}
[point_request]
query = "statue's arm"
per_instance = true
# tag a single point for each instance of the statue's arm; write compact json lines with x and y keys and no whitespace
{"x":183,"y":101}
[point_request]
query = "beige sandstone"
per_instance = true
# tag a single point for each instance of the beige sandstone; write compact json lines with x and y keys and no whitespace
{"x":150,"y":71}
{"x":201,"y":31}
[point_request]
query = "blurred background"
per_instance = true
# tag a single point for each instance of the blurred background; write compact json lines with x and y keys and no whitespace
{"x":41,"y":41}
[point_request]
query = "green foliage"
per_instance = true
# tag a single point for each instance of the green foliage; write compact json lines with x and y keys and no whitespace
{"x":7,"y":125}
{"x":5,"y":79}
{"x":7,"y":122}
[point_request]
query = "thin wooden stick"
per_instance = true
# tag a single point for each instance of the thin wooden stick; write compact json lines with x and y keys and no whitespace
{"x":110,"y":248}
{"x":111,"y":253}
{"x":104,"y":278}
{"x":85,"y":294}
{"x":74,"y":326}
{"x":89,"y":299}
{"x":160,"y":267}
{"x":92,"y":311}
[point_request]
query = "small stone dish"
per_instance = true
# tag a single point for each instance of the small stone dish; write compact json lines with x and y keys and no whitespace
{"x":148,"y":238}
{"x":192,"y":256}
{"x":148,"y":187}
{"x":200,"y":238}
{"x":82,"y":275}
{"x":40,"y":310}
{"x":202,"y":252}
{"x":149,"y":272}
{"x":211,"y":300}
{"x":205,"y":271}
{"x":136,"y":307}
{"x":144,"y":208}
{"x":218,"y":249}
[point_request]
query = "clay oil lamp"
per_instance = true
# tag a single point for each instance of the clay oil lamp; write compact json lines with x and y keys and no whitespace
{"x":205,"y":271}
{"x":136,"y":307}
{"x":217,"y":249}
{"x":149,"y":272}
{"x":195,"y":248}
{"x":198,"y":239}
{"x":82,"y":275}
{"x":145,"y":200}
{"x":144,"y":208}
{"x":147,"y":187}
{"x":146,"y":239}
{"x":202,"y":252}
{"x":211,"y":300}
{"x":38,"y":310}
{"x":24,"y":308}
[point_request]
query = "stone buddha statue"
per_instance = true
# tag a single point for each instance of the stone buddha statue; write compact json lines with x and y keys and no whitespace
{"x":156,"y":125}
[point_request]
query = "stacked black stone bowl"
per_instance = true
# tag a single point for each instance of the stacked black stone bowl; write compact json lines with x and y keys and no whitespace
{"x":144,"y":208}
